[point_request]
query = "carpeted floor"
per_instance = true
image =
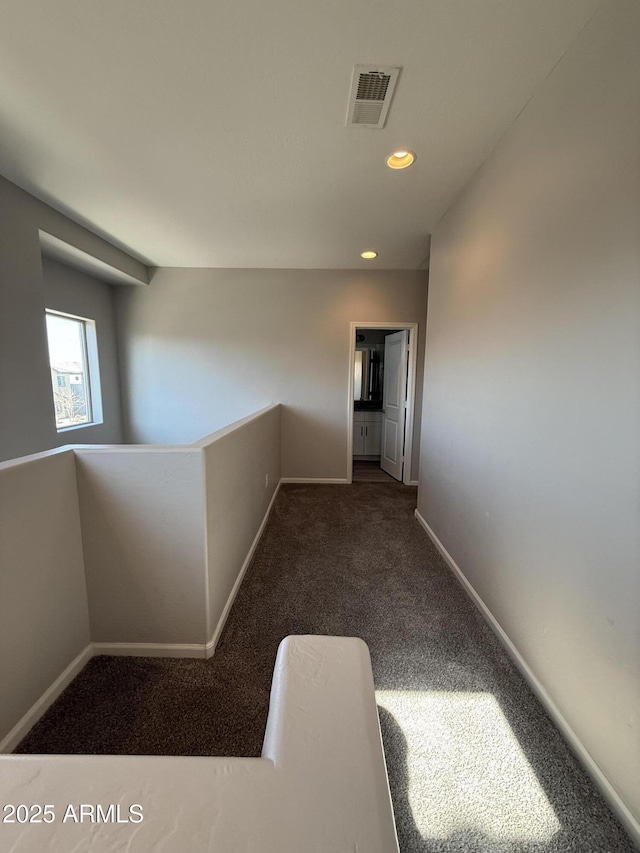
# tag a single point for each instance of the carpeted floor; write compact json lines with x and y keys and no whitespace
{"x":474,"y":762}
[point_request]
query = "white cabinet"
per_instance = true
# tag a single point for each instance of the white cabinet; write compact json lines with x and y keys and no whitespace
{"x":372,"y":435}
{"x":367,"y":430}
{"x":358,"y":434}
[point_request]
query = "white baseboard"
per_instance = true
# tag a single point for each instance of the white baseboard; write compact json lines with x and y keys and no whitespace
{"x":22,"y":727}
{"x":213,"y":642}
{"x":151,"y":650}
{"x":325,"y":481}
{"x":606,"y":788}
{"x":328,"y":481}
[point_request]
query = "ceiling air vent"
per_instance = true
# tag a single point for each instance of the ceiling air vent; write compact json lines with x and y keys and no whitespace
{"x":371,"y":92}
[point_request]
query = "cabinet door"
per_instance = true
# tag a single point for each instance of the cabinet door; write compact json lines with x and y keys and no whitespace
{"x":358,"y":439}
{"x":372,"y":433}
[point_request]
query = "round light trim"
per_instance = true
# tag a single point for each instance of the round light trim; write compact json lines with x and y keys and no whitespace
{"x":400,"y":159}
{"x":369,"y":255}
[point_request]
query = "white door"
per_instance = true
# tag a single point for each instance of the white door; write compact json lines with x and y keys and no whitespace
{"x":393,"y":403}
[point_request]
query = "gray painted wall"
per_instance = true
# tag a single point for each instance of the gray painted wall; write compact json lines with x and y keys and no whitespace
{"x":75,"y":292}
{"x":530,"y":468}
{"x":242,"y":472}
{"x":204,"y":347}
{"x":27,"y":422}
{"x":44,"y":620}
{"x":143,"y":536}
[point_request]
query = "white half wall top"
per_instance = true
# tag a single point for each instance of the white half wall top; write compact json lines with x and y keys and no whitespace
{"x":320,"y":785}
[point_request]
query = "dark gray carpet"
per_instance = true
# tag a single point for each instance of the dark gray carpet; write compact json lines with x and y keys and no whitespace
{"x":352,"y":560}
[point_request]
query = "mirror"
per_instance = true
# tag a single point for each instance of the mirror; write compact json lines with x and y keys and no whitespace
{"x":367,"y":384}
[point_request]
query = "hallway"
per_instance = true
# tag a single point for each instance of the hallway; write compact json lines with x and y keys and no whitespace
{"x":474,"y":762}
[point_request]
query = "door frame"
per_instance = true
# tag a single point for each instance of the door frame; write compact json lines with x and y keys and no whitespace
{"x":412,"y":328}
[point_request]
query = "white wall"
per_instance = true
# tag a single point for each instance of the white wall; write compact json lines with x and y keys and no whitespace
{"x":530,"y":468}
{"x":143,"y":534}
{"x":27,"y":423}
{"x":44,"y":621}
{"x":237,"y":462}
{"x":167,"y":531}
{"x":202,"y":347}
{"x":75,"y":292}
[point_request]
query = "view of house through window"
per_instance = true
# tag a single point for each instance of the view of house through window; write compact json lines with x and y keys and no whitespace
{"x":70,"y":341}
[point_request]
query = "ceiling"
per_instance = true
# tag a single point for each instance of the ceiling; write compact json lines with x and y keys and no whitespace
{"x":207,"y":133}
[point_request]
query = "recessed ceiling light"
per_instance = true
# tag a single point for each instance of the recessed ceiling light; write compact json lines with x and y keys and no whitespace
{"x":400,"y":159}
{"x":368,"y":255}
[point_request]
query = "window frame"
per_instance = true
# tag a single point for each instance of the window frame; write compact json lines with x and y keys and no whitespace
{"x":93,"y":392}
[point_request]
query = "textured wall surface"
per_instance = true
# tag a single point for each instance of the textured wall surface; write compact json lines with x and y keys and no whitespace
{"x":27,"y":423}
{"x":530,"y":467}
{"x":202,"y":347}
{"x":242,"y":472}
{"x":143,"y":535}
{"x":44,"y":621}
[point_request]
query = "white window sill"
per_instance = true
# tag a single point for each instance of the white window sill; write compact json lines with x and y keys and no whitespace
{"x":79,"y":426}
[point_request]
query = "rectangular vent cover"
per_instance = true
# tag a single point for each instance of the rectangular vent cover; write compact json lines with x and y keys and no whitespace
{"x":372,"y":88}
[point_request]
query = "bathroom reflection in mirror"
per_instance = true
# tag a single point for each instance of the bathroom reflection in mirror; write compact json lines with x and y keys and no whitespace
{"x":357,"y":379}
{"x":368,"y":373}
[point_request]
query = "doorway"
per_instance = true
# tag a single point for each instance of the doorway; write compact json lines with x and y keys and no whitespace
{"x":381,"y":401}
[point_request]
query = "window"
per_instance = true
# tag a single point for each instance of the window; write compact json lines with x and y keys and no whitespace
{"x":73,"y":359}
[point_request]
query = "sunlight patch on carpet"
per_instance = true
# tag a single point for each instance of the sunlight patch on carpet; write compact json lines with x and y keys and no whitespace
{"x":465,"y":769}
